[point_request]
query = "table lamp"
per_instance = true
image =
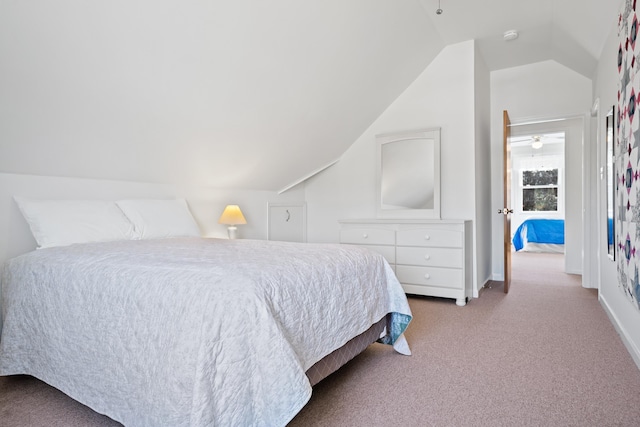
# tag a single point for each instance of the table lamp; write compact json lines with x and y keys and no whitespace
{"x":232,"y":216}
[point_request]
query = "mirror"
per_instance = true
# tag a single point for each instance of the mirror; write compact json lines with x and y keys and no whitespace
{"x":610,"y":180}
{"x":408,"y":174}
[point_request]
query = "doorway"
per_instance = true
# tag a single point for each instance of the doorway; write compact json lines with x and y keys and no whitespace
{"x":559,"y":143}
{"x":538,"y":192}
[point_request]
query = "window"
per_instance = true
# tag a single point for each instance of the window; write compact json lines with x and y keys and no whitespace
{"x":540,"y":190}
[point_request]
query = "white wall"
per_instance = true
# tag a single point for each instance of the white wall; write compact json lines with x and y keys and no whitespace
{"x":442,"y":96}
{"x":623,"y":314}
{"x":483,"y":166}
{"x":542,"y":90}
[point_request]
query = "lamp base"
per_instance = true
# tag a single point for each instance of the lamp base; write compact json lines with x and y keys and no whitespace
{"x":232,"y":231}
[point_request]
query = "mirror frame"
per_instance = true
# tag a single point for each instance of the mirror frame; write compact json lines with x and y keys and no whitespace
{"x":381,"y":140}
{"x":610,"y":190}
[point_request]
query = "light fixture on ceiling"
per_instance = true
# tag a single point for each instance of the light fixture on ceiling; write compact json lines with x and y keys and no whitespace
{"x":439,"y":9}
{"x":536,"y":142}
{"x":510,"y":35}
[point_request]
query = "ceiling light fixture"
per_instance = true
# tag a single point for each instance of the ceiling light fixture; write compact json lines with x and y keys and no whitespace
{"x":438,"y":10}
{"x":510,"y":35}
{"x":536,"y":143}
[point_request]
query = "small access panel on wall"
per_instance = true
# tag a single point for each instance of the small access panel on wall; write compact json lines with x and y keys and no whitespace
{"x":288,"y":222}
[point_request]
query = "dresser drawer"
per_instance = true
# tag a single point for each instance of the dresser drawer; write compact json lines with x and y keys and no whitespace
{"x":430,"y":276}
{"x":429,"y":237}
{"x":368,"y":236}
{"x":426,"y":256}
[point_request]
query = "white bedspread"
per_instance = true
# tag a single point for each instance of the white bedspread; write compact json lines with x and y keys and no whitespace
{"x":196,"y":332}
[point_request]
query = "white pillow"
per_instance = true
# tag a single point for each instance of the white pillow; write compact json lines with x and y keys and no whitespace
{"x":157,"y":219}
{"x":64,"y":222}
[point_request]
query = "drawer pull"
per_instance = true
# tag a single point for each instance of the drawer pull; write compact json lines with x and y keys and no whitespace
{"x":427,"y":276}
{"x":365,"y":235}
{"x":427,"y":237}
{"x":427,"y":257}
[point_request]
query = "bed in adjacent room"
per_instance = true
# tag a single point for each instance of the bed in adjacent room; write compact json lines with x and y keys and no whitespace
{"x":540,"y":235}
{"x":183,"y":330}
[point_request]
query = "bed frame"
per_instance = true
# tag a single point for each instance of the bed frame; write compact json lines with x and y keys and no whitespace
{"x":333,"y":361}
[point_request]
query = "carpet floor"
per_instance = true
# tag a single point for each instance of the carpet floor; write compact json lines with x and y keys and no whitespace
{"x":545,"y":354}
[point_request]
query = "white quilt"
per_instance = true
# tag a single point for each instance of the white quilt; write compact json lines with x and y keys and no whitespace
{"x":190,"y":332}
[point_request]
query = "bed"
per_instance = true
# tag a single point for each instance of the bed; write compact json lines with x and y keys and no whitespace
{"x":540,"y":235}
{"x":195,"y":331}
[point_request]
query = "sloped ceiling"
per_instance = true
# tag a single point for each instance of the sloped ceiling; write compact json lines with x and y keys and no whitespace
{"x":230,"y":94}
{"x":240,"y":94}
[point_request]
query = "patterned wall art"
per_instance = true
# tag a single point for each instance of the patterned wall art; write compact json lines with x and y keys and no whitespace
{"x":627,"y":155}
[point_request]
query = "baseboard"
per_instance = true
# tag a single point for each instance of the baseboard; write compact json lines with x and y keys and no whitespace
{"x":478,"y":292}
{"x":489,"y":284}
{"x":628,"y":343}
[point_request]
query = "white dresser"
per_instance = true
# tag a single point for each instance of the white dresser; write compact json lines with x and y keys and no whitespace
{"x":430,"y":257}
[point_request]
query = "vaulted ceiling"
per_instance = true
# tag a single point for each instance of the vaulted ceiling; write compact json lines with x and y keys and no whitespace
{"x":571,"y":32}
{"x":246,"y":93}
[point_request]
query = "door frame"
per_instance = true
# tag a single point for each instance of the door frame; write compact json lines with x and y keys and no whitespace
{"x":570,"y":125}
{"x":507,"y":210}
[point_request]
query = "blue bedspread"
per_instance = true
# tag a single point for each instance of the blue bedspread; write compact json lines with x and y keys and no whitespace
{"x":539,"y":231}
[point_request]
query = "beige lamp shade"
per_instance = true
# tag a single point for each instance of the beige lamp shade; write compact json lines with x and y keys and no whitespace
{"x":232,"y":215}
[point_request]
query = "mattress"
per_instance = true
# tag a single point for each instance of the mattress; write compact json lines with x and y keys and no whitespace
{"x":192,"y":331}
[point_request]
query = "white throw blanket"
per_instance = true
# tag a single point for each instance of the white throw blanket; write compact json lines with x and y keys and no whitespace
{"x":190,"y":332}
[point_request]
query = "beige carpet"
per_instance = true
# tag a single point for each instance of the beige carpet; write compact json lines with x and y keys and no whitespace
{"x":543,"y":355}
